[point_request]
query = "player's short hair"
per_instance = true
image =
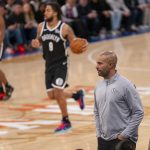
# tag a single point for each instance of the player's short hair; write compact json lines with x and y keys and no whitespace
{"x":56,"y":7}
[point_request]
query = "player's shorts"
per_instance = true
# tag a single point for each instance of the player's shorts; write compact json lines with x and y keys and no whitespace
{"x":56,"y":76}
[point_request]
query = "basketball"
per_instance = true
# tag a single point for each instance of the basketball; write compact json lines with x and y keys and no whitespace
{"x":77,"y":45}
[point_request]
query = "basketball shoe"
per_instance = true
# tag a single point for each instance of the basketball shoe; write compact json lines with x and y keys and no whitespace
{"x":9,"y":90}
{"x":63,"y":127}
{"x":2,"y":95}
{"x":80,"y":98}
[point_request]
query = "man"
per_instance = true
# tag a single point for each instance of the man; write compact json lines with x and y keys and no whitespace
{"x":118,"y":109}
{"x":119,"y":12}
{"x":6,"y":93}
{"x":15,"y":23}
{"x":70,"y":16}
{"x":52,"y":34}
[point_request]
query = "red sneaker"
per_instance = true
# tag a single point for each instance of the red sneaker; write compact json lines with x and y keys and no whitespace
{"x":81,"y":99}
{"x":63,"y":127}
{"x":21,"y":48}
{"x":2,"y":95}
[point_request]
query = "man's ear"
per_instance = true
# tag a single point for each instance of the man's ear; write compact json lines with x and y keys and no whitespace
{"x":55,"y":13}
{"x":111,"y":65}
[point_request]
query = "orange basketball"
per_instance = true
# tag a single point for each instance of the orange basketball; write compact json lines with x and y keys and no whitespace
{"x":77,"y":45}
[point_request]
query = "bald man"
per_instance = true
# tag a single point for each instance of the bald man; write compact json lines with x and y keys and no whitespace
{"x":6,"y":93}
{"x":118,"y":109}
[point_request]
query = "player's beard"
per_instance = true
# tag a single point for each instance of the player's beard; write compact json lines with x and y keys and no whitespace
{"x":50,"y":19}
{"x":103,"y":73}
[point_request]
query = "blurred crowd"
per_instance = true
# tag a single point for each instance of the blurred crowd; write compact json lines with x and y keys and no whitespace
{"x":88,"y":18}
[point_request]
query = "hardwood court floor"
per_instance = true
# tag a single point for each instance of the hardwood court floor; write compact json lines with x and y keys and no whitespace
{"x":27,"y":120}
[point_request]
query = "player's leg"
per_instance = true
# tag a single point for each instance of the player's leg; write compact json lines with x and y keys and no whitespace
{"x":59,"y":83}
{"x":78,"y":96}
{"x":60,"y":97}
{"x":3,"y":77}
{"x":55,"y":83}
{"x":50,"y":94}
{"x":57,"y":94}
{"x":48,"y":82}
{"x":2,"y":93}
{"x":8,"y":88}
{"x":61,"y":100}
{"x":60,"y":80}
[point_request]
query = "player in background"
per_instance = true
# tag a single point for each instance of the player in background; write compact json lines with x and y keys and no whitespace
{"x":5,"y":88}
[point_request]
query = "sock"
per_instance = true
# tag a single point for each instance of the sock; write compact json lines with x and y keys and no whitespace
{"x":75,"y":96}
{"x":7,"y":85}
{"x":1,"y":89}
{"x":65,"y":119}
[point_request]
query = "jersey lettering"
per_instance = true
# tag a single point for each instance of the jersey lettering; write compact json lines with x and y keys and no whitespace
{"x":51,"y":37}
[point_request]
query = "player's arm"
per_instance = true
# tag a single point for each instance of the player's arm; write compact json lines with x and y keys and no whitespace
{"x":2,"y":34}
{"x":133,"y":101}
{"x":68,"y":34}
{"x":2,"y":29}
{"x":36,"y":43}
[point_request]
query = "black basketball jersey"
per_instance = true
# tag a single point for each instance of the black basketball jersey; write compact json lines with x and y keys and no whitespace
{"x":53,"y":43}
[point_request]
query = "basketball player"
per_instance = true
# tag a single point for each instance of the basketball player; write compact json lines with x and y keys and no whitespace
{"x":3,"y":80}
{"x":52,"y":35}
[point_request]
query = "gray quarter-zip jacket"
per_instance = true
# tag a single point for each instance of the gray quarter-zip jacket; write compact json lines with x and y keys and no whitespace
{"x":117,"y":109}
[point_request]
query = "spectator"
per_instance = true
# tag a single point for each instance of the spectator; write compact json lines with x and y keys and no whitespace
{"x":103,"y":10}
{"x":61,"y":2}
{"x":15,"y":23}
{"x":30,"y":24}
{"x":119,"y":9}
{"x":39,"y":15}
{"x":70,"y":16}
{"x":147,"y":14}
{"x":137,"y":8}
{"x":33,"y":4}
{"x":89,"y":17}
{"x":69,"y":11}
{"x":9,"y":5}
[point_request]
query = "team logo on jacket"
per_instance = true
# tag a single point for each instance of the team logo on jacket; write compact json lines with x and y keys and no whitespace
{"x":59,"y":81}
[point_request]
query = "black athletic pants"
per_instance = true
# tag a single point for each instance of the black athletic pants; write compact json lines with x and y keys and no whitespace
{"x":108,"y":145}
